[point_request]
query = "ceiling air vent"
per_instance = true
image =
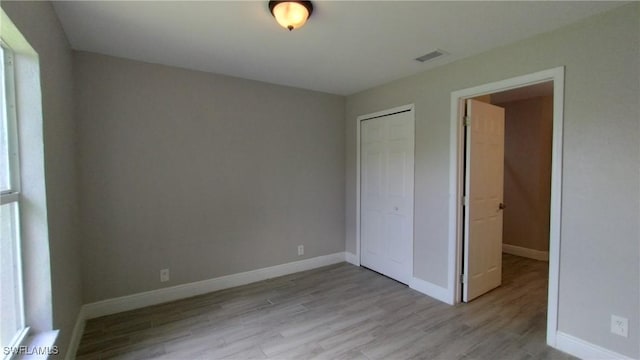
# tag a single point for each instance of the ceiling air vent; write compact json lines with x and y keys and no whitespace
{"x":430,"y":56}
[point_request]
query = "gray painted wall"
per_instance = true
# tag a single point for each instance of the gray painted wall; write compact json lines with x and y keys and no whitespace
{"x":206,"y":175}
{"x":39,"y":24}
{"x":599,"y":271}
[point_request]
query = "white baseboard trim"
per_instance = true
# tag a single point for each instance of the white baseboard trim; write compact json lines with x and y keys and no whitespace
{"x":351,"y":258}
{"x":159,"y":296}
{"x":585,"y":350}
{"x":525,"y":252}
{"x":432,"y":290}
{"x":76,"y":335}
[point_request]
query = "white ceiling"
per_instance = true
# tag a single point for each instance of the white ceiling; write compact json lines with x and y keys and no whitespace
{"x":346,"y":46}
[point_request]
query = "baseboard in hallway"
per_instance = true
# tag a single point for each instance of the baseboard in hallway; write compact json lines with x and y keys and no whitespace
{"x":525,"y":252}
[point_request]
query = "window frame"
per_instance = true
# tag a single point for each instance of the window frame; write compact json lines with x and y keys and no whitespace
{"x":12,"y":194}
{"x":9,"y":109}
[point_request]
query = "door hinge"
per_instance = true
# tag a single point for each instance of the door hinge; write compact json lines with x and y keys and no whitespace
{"x":463,"y":201}
{"x":466,"y":120}
{"x":462,"y":278}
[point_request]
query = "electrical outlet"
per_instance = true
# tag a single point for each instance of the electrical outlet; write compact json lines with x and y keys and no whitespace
{"x":164,"y":275}
{"x":620,"y":325}
{"x":300,"y":250}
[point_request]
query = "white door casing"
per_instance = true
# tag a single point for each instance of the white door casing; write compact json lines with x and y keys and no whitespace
{"x":456,"y":185}
{"x":484,"y":179}
{"x":386,"y":198}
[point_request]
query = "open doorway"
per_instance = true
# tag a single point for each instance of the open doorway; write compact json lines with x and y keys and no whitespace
{"x":527,"y":169}
{"x":552,"y":79}
{"x":507,"y":160}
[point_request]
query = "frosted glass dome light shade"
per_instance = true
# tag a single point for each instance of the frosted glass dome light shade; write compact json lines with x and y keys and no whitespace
{"x":291,"y":14}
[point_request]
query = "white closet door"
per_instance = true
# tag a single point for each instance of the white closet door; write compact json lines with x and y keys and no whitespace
{"x":387,"y":161}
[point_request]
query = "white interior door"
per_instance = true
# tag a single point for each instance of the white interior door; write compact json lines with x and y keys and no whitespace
{"x":484,"y":179}
{"x":387,"y":161}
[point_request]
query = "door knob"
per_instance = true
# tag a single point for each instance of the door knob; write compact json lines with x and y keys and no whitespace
{"x":501,"y":206}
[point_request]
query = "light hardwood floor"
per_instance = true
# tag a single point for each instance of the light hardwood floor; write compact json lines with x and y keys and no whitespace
{"x":336,"y":312}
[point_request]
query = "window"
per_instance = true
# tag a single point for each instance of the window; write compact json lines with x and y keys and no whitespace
{"x":12,"y":324}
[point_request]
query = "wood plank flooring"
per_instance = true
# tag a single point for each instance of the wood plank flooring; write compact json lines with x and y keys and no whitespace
{"x":336,"y":312}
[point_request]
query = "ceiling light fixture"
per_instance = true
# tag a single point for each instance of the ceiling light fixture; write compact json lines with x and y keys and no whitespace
{"x":291,"y":14}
